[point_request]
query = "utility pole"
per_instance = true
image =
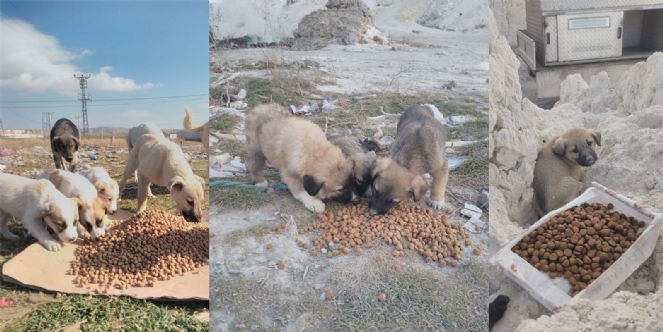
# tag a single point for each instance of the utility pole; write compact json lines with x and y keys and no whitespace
{"x":84,"y":98}
{"x":2,"y":129}
{"x":46,"y":122}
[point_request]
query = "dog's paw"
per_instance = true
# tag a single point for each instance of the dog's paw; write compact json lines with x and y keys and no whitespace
{"x":51,"y":245}
{"x":10,"y":236}
{"x":263,"y":184}
{"x":441,"y":204}
{"x":315,"y":206}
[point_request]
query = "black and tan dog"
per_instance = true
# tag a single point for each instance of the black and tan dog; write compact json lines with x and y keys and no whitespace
{"x":312,"y":167}
{"x":65,"y":141}
{"x":419,"y":149}
{"x":363,"y":161}
{"x":558,"y":173}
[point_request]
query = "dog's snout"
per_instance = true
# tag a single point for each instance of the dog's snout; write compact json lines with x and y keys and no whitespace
{"x":190,"y":216}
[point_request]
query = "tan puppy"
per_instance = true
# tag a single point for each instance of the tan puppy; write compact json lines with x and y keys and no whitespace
{"x":163,"y":163}
{"x":313,"y":168}
{"x":204,"y":129}
{"x":40,"y":207}
{"x":419,"y":149}
{"x":107,"y":188}
{"x":363,"y":162}
{"x":91,"y":209}
{"x":558,"y":173}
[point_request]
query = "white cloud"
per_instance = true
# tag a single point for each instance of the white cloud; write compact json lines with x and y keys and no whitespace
{"x":103,"y":81}
{"x":33,"y":61}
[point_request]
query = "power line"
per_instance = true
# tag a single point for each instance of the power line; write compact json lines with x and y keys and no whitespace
{"x":99,"y":105}
{"x":102,"y":99}
{"x":84,"y":99}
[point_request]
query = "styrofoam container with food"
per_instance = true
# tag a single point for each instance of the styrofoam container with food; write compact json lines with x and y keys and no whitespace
{"x":554,"y":294}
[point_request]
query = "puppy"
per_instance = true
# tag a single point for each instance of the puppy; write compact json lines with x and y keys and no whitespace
{"x":65,"y":142}
{"x":312,"y":167}
{"x":419,"y":149}
{"x":107,"y":188}
{"x":204,"y":129}
{"x":558,"y":173}
{"x":162,"y":162}
{"x":91,"y":209}
{"x":40,"y":207}
{"x":363,"y":162}
{"x":147,"y":128}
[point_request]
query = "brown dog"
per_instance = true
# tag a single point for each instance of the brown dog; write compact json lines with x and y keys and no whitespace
{"x":65,"y":141}
{"x":312,"y":167}
{"x":419,"y":149}
{"x":558,"y":173}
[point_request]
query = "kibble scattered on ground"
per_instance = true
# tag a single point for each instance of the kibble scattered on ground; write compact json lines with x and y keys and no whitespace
{"x":404,"y":227}
{"x":138,"y":252}
{"x":579,"y":244}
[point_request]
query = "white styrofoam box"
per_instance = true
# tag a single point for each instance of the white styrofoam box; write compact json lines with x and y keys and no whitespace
{"x":542,"y":288}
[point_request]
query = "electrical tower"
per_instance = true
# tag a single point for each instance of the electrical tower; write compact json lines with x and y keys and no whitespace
{"x":84,"y":98}
{"x":46,"y":122}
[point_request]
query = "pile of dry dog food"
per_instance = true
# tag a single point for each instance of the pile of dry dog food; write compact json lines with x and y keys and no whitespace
{"x":411,"y":227}
{"x":152,"y":246}
{"x":579,"y":243}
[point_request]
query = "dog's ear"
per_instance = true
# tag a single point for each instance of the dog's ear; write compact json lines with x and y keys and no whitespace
{"x":200,"y":179}
{"x":559,"y":147}
{"x":418,"y":188}
{"x":78,"y":143}
{"x":176,"y":184}
{"x":101,"y":188}
{"x":380,"y":165}
{"x":311,"y":186}
{"x":597,"y":137}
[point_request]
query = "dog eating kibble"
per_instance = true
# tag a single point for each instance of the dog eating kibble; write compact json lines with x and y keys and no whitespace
{"x":149,"y":247}
{"x":580,"y":243}
{"x":412,"y":227}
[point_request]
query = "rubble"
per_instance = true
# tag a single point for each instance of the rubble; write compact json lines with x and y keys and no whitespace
{"x":629,"y":115}
{"x":344,"y":22}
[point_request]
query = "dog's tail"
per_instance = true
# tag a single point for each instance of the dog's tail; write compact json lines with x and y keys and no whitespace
{"x":188,"y":122}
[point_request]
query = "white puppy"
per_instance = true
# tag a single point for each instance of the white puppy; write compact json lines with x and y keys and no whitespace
{"x":107,"y":188}
{"x":147,"y":128}
{"x":162,"y":162}
{"x":91,"y":209}
{"x":37,"y":202}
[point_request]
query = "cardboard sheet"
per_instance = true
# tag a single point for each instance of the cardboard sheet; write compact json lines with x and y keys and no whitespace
{"x":38,"y":268}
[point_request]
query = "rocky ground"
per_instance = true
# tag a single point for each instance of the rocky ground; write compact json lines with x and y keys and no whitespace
{"x":356,"y":90}
{"x":629,"y":115}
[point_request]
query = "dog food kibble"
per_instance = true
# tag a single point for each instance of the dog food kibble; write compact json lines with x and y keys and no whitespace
{"x":281,"y":265}
{"x":382,"y":297}
{"x":404,"y":227}
{"x":146,"y":248}
{"x":329,"y":294}
{"x":579,"y":244}
{"x":269,"y":246}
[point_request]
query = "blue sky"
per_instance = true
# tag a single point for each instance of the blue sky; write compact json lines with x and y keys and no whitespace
{"x":133,"y":50}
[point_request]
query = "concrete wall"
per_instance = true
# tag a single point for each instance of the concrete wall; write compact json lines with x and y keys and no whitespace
{"x":548,"y":81}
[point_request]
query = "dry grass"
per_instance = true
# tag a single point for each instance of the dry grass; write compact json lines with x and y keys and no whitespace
{"x":34,"y":312}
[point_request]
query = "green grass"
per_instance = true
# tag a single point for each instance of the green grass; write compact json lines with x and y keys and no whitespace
{"x":260,"y":91}
{"x":224,"y":123}
{"x":109,"y":314}
{"x":36,"y":311}
{"x":418,"y":301}
{"x":476,"y":166}
{"x":471,"y":130}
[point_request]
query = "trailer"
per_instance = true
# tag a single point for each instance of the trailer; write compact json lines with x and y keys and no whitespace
{"x":586,"y":37}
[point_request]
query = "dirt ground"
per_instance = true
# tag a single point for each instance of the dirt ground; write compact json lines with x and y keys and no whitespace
{"x":370,"y":85}
{"x":36,"y":311}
